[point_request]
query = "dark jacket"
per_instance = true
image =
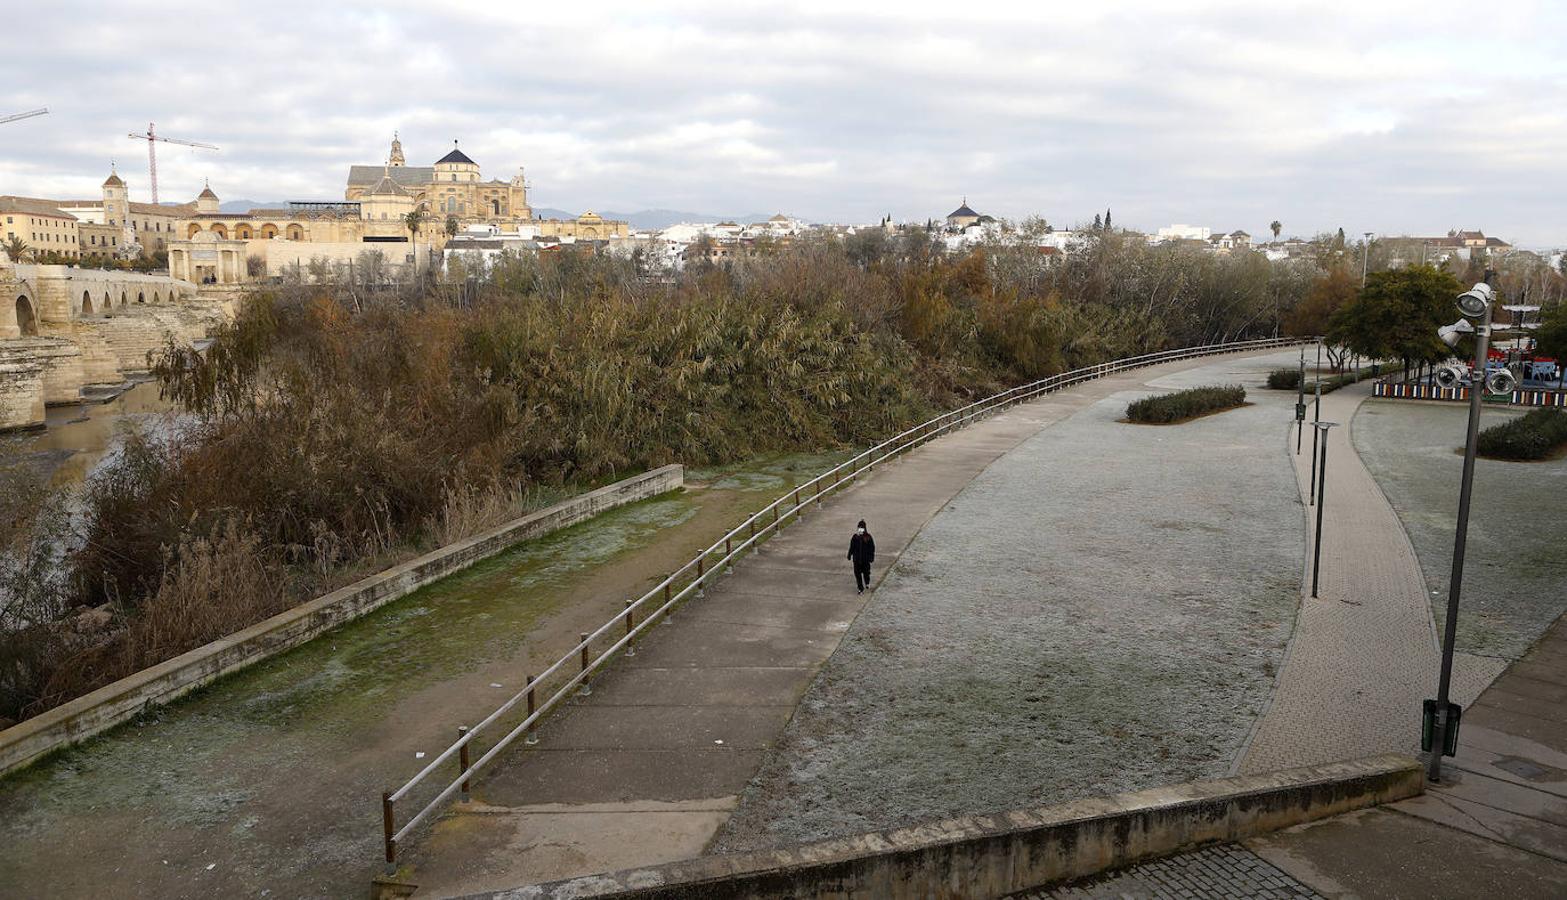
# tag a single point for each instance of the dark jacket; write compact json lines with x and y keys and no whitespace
{"x":862,"y":549}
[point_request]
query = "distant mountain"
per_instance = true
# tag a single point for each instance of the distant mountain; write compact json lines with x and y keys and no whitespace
{"x":650,"y":219}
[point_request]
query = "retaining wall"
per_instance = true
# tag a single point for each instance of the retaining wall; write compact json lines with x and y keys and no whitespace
{"x":115,"y":703}
{"x":1005,"y":853}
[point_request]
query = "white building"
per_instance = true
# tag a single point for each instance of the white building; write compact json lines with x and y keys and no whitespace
{"x":1183,"y":233}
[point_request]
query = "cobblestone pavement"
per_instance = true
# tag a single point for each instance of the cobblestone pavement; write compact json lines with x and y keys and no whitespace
{"x":1227,"y":870}
{"x":1365,"y":652}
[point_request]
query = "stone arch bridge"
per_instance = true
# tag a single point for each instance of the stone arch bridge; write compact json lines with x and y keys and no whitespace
{"x":70,"y":334}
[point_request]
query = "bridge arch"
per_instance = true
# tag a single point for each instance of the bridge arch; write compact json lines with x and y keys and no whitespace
{"x":124,"y":300}
{"x":140,"y":297}
{"x":25,"y":319}
{"x":86,"y":303}
{"x":156,"y":298}
{"x":108,"y":303}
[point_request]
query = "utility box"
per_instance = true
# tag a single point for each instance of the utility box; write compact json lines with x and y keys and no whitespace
{"x":1428,"y":728}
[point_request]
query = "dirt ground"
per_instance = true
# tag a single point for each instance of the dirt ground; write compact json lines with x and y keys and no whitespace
{"x":267,"y":784}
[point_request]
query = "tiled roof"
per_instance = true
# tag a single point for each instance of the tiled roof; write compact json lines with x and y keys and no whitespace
{"x":406,"y":176}
{"x":32,"y":206}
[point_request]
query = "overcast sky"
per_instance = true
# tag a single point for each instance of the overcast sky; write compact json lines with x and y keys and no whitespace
{"x":1380,"y":116}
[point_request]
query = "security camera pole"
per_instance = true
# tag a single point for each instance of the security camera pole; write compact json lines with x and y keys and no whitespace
{"x":1475,"y":304}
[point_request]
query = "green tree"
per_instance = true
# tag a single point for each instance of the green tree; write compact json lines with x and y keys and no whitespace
{"x":1276,"y":227}
{"x":1107,"y":218}
{"x":1098,"y":223}
{"x":1396,"y":316}
{"x":451,"y":226}
{"x":413,"y":220}
{"x":17,"y":249}
{"x":1550,"y":339}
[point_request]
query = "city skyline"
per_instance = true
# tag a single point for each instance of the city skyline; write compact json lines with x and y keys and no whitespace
{"x":1388,"y":120}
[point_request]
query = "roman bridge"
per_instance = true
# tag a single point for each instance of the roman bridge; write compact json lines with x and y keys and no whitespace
{"x":70,"y":334}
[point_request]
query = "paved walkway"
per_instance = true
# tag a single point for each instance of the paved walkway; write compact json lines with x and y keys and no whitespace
{"x":1365,"y":652}
{"x":648,"y":767}
{"x":1495,"y":826}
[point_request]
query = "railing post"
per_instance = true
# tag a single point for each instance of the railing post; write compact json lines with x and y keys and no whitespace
{"x":753,"y":536}
{"x":586,"y":688}
{"x":729,"y":558}
{"x":533,"y":730}
{"x":462,"y":760}
{"x":388,"y":829}
{"x":631,"y":617}
{"x":701,"y":577}
{"x":799,"y":512}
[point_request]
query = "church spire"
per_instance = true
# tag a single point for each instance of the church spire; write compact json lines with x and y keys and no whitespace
{"x":396,"y":158}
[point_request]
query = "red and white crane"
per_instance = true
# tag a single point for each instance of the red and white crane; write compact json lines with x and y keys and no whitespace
{"x":152,"y":138}
{"x":43,"y":110}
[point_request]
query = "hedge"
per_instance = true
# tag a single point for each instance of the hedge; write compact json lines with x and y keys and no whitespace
{"x":1284,"y":379}
{"x":1187,"y":404}
{"x":1289,"y":380}
{"x":1534,"y":435}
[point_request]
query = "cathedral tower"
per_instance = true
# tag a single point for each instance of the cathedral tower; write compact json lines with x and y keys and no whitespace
{"x":396,"y":158}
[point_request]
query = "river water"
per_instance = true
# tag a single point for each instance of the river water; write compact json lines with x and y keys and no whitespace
{"x":77,"y":438}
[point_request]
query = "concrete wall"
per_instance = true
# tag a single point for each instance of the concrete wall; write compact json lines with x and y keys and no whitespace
{"x":21,"y":387}
{"x":115,"y":703}
{"x":1005,"y":853}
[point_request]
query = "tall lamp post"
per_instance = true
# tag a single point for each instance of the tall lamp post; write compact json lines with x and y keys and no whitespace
{"x":1365,"y":257}
{"x":1441,"y":717}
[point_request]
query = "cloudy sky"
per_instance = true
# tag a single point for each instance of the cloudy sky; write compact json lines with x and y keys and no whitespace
{"x":1384,"y":116}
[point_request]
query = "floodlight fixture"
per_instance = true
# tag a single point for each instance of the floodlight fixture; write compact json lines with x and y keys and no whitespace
{"x":1450,"y":376}
{"x":1474,"y":302}
{"x":1451,"y":333}
{"x":1502,"y":381}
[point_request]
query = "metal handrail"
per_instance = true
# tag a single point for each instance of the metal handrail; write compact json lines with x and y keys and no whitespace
{"x":769,"y":520}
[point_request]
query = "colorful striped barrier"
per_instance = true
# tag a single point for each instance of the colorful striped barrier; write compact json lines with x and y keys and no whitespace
{"x":1404,"y":390}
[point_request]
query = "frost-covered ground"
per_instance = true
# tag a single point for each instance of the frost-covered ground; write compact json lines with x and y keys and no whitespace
{"x":1515,"y":568}
{"x":1103,"y":609}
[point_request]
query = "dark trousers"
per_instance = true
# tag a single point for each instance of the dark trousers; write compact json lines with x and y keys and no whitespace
{"x":862,"y":575}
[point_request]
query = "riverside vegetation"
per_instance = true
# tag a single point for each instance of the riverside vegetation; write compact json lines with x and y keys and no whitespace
{"x":334,"y":428}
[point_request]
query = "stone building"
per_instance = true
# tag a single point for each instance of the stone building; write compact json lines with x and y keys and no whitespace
{"x":149,"y":226}
{"x":372,"y":216}
{"x":40,"y":224}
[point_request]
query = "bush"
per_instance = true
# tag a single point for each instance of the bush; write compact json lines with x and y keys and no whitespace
{"x":1284,"y":379}
{"x":1188,"y":404}
{"x":1532,"y":436}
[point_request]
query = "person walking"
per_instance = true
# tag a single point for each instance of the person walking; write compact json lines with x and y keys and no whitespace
{"x":862,"y":550}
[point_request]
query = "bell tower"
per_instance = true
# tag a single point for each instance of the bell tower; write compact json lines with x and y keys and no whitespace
{"x":396,"y":157}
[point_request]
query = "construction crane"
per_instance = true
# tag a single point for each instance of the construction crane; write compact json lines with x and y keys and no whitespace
{"x":43,"y":110}
{"x":152,"y":138}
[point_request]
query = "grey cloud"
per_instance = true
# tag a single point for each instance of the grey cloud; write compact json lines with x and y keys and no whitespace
{"x":1383,"y":117}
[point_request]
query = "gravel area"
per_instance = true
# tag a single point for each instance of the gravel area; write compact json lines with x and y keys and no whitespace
{"x":1515,"y":571}
{"x":1102,"y":610}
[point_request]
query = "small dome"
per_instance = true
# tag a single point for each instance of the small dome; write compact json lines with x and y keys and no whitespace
{"x":456,"y":156}
{"x":206,"y":194}
{"x":113,"y":180}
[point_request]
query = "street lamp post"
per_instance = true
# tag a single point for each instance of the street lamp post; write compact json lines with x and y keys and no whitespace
{"x":1300,"y":402}
{"x":1475,"y":304}
{"x":1322,"y":496}
{"x":1316,"y":437}
{"x":1365,"y":257}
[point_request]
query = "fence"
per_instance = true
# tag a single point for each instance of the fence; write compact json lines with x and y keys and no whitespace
{"x":1416,"y":390}
{"x":572,"y":672}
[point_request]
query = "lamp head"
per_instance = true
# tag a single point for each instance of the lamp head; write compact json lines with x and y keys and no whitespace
{"x":1451,"y":333}
{"x":1474,"y":302}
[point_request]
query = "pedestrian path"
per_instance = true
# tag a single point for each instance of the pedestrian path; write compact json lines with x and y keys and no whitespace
{"x":648,"y":766}
{"x":1365,"y":650}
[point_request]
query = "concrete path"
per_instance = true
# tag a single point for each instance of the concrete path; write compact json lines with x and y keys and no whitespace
{"x":1365,"y":652}
{"x":648,"y":767}
{"x":1495,"y":826}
